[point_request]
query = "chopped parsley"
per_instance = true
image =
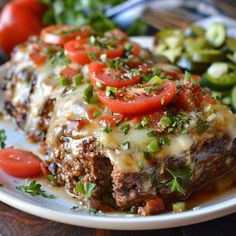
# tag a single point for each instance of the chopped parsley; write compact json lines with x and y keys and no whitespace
{"x":3,"y":138}
{"x":187,"y":76}
{"x":184,"y":175}
{"x":52,"y":179}
{"x":124,"y":128}
{"x":145,"y":121}
{"x":99,"y":84}
{"x":75,"y":208}
{"x":126,"y":145}
{"x":202,"y":126}
{"x":85,"y":189}
{"x":63,"y":81}
{"x":89,"y":96}
{"x":59,"y":56}
{"x":35,"y":189}
{"x":153,"y":146}
{"x":165,"y":122}
{"x":163,"y":100}
{"x":111,"y":91}
{"x":77,"y":79}
{"x":107,"y":129}
{"x":96,"y":114}
{"x":140,"y":165}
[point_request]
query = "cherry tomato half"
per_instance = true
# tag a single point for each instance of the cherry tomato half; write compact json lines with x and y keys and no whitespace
{"x":125,"y":76}
{"x":61,"y":34}
{"x":137,"y":100}
{"x":19,"y":163}
{"x":80,"y":51}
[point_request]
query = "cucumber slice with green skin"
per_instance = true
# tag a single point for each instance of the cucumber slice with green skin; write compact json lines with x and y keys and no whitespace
{"x":218,"y":69}
{"x":194,"y":30}
{"x":207,"y":56}
{"x":231,"y":44}
{"x":163,"y":34}
{"x":225,"y":81}
{"x":216,"y":34}
{"x":193,"y":44}
{"x":185,"y":63}
{"x":232,"y":57}
{"x":233,"y":98}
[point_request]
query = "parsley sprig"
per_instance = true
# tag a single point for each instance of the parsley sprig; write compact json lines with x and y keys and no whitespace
{"x":3,"y":138}
{"x":184,"y":175}
{"x":85,"y":189}
{"x":35,"y":189}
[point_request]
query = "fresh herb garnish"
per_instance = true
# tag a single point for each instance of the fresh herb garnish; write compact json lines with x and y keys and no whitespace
{"x":35,"y":189}
{"x":165,"y":122}
{"x":140,"y":165}
{"x":75,"y":208}
{"x":96,"y":114}
{"x":85,"y":189}
{"x":52,"y":179}
{"x":202,"y":126}
{"x":3,"y":138}
{"x":63,"y":81}
{"x":99,"y":84}
{"x":93,"y":211}
{"x":153,"y":146}
{"x":89,"y":96}
{"x":184,"y":175}
{"x":107,"y":129}
{"x":111,"y":91}
{"x":77,"y":79}
{"x":124,"y":128}
{"x":126,"y":145}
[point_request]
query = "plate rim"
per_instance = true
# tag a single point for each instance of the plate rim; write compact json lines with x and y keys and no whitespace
{"x":168,"y":220}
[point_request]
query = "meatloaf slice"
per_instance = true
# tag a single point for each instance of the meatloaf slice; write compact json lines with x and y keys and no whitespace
{"x":86,"y":153}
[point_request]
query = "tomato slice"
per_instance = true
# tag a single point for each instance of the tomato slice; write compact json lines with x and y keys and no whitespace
{"x":60,"y":34}
{"x":179,"y":75}
{"x":125,"y":76}
{"x":137,"y":100}
{"x":79,"y":51}
{"x":20,"y":163}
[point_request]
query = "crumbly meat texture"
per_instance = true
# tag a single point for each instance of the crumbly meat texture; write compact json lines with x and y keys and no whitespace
{"x":123,"y":178}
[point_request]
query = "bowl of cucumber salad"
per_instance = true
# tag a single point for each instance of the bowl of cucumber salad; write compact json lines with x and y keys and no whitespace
{"x":209,"y":53}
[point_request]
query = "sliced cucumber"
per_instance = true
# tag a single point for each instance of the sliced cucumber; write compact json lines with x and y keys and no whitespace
{"x":172,"y":54}
{"x":193,"y":44}
{"x":163,"y":34}
{"x":231,"y":44}
{"x":232,"y":57}
{"x":225,"y":81}
{"x":218,"y":69}
{"x":233,"y":98}
{"x":216,"y":34}
{"x":207,"y":56}
{"x":194,"y":30}
{"x":173,"y":42}
{"x":185,"y":63}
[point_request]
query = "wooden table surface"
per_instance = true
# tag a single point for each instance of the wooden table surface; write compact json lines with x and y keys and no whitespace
{"x":17,"y":223}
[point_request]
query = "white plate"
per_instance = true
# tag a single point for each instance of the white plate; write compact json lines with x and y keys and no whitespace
{"x":59,"y":209}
